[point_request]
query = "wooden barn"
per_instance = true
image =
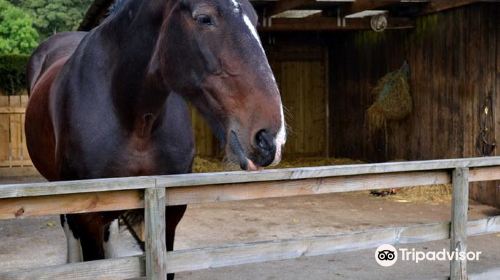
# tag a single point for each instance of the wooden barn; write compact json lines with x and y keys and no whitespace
{"x":328,"y":57}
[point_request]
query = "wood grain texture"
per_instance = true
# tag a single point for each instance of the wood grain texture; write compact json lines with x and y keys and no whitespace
{"x":484,"y":174}
{"x":156,"y":249}
{"x":454,"y":61}
{"x":273,"y":189}
{"x":122,"y":268}
{"x":15,"y":208}
{"x":459,"y":216}
{"x":253,"y":252}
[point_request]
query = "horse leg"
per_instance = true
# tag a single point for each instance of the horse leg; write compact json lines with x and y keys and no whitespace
{"x":73,"y":247}
{"x":173,"y":216}
{"x":89,"y":229}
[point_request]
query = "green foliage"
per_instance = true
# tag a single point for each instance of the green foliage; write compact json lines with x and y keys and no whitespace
{"x":17,"y":34}
{"x":13,"y":73}
{"x":51,"y":16}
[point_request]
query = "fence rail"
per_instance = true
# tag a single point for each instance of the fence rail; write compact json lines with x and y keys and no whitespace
{"x":153,"y":193}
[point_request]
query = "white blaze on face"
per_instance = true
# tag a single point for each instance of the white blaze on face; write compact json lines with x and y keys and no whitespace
{"x":280,"y":139}
{"x":281,"y":136}
{"x":253,"y":31}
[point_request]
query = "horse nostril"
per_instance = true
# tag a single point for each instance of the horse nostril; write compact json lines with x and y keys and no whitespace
{"x":264,"y":140}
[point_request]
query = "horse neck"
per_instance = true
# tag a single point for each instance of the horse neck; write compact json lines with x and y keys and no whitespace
{"x":138,"y":91}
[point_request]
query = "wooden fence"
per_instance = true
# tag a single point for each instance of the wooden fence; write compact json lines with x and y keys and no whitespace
{"x":13,"y":152}
{"x":156,"y":192}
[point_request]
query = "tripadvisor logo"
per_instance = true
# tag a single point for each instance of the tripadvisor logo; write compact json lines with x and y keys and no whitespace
{"x":386,"y":255}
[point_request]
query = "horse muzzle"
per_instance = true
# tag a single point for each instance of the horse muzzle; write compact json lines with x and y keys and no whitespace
{"x":263,"y":153}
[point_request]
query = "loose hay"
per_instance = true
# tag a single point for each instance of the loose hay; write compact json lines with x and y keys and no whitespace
{"x":202,"y":165}
{"x":432,"y":194}
{"x":393,"y":99}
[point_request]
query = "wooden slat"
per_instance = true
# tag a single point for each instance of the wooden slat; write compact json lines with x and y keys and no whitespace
{"x":69,"y":187}
{"x":232,"y":192}
{"x":16,"y":130}
{"x":11,"y":208}
{"x":458,"y":231}
{"x":120,"y":268}
{"x":318,"y":172}
{"x":189,"y":180}
{"x":156,"y":249}
{"x":484,"y":174}
{"x":4,"y":130}
{"x":253,"y":252}
{"x":121,"y":200}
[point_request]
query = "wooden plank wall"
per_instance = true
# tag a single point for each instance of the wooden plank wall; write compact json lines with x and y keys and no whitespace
{"x":454,"y":58}
{"x":301,"y":73}
{"x":13,"y":151}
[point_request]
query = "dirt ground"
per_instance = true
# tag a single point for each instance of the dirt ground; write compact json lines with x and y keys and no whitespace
{"x":41,"y":241}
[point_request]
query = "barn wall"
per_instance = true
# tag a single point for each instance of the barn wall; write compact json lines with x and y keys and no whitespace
{"x":455,"y":70}
{"x":301,"y":71}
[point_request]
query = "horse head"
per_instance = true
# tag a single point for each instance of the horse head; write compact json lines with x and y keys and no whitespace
{"x":209,"y":52}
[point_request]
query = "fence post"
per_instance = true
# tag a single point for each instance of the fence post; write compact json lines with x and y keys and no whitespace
{"x":156,"y":250}
{"x":460,"y":204}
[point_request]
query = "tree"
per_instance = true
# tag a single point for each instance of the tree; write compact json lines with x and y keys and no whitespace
{"x":51,"y":16}
{"x":17,"y":34}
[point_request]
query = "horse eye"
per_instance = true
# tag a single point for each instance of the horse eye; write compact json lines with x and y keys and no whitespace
{"x":204,"y":20}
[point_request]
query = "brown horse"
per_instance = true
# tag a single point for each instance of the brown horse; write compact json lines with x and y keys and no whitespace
{"x":111,"y":103}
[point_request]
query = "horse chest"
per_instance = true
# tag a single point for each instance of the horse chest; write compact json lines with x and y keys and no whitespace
{"x":140,"y":157}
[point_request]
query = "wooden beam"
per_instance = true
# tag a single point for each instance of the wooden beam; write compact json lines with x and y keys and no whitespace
{"x":183,"y":189}
{"x":484,"y":174}
{"x":119,"y":268}
{"x":232,"y":192}
{"x":330,"y":24}
{"x":12,"y":208}
{"x":131,"y":199}
{"x":190,"y":180}
{"x":442,"y":5}
{"x":285,"y":5}
{"x":363,"y":5}
{"x":458,"y":230}
{"x":156,"y":249}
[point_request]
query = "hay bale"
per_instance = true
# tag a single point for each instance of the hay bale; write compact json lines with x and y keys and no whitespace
{"x":393,"y":99}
